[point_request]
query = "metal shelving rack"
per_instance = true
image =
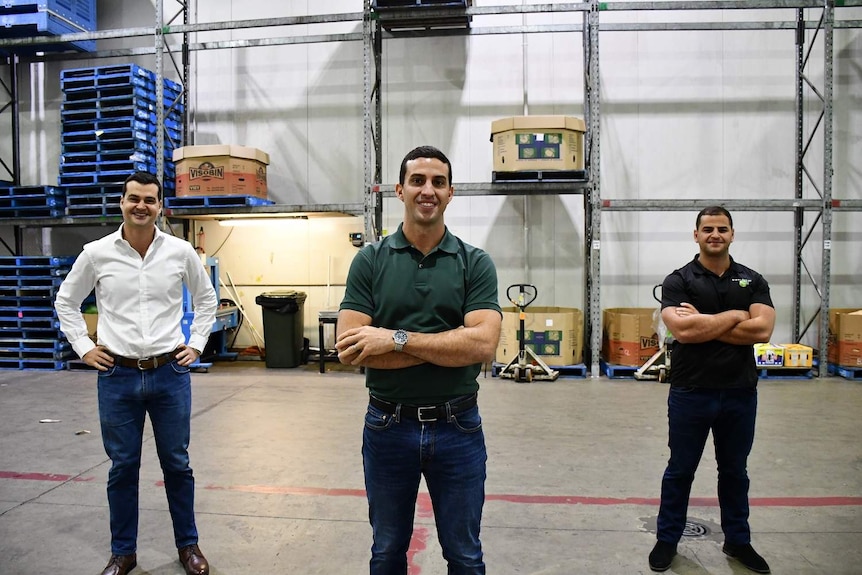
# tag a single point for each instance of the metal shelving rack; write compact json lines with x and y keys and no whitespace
{"x":373,"y":191}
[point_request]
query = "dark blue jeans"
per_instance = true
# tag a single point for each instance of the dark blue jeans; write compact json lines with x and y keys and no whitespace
{"x":126,"y":395}
{"x":692,"y":413}
{"x":396,"y":452}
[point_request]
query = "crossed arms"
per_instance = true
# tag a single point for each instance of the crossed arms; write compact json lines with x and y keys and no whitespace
{"x":737,"y":327}
{"x":360,"y":343}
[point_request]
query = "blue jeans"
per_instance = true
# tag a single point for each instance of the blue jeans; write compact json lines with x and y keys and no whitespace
{"x":126,"y":395}
{"x":396,"y":452}
{"x":692,"y":413}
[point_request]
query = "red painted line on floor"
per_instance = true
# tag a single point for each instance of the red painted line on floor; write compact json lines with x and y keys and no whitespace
{"x":42,"y":476}
{"x":424,"y":503}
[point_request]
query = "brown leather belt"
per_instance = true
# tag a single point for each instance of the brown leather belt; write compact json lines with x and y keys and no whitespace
{"x":425,"y":412}
{"x":146,"y":363}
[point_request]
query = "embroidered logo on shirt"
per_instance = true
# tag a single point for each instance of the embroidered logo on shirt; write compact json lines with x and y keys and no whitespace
{"x":742,"y":282}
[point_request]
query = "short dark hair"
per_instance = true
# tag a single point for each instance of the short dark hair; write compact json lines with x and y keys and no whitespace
{"x":423,"y":152}
{"x":144,"y":178}
{"x":713,"y":211}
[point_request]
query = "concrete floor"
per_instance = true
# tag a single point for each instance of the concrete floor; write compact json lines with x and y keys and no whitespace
{"x":573,"y":478}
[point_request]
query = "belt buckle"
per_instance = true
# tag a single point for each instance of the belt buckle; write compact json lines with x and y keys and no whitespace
{"x":142,"y":359}
{"x":432,"y":408}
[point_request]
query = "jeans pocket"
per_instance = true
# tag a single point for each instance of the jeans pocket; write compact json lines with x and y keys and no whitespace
{"x":109,"y":372}
{"x":179,"y":369}
{"x":377,"y":419}
{"x":468,"y":421}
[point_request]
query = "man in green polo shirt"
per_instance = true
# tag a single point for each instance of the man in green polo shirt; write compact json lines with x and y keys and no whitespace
{"x":420,"y":314}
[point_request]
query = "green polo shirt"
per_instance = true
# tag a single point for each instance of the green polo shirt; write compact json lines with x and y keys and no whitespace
{"x":400,"y":288}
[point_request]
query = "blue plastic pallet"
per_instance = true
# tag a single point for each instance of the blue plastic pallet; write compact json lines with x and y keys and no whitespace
{"x":115,"y":70}
{"x":14,"y":191}
{"x":92,"y":168}
{"x":614,"y":371}
{"x":95,"y":200}
{"x":28,"y":291}
{"x":94,"y":210}
{"x":44,"y":261}
{"x":109,"y":93}
{"x":31,"y":212}
{"x":132,"y":101}
{"x":847,"y":372}
{"x":37,"y":273}
{"x":115,"y":134}
{"x":88,"y":190}
{"x":32,"y":364}
{"x":128,"y":146}
{"x":29,"y":323}
{"x":112,"y":177}
{"x":31,"y":334}
{"x":42,"y":24}
{"x":35,"y":345}
{"x":215,"y":201}
{"x":80,"y":12}
{"x":33,"y":201}
{"x":15,"y":282}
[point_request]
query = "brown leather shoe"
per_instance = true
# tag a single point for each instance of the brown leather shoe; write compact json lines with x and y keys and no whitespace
{"x":120,"y":564}
{"x":193,"y":561}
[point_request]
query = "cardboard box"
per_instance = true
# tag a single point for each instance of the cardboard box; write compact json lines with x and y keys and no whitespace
{"x":555,"y":334}
{"x":797,"y":355}
{"x":845,"y":337}
{"x":524,"y":143}
{"x":221,"y":170}
{"x":92,"y":320}
{"x":768,"y":355}
{"x":628,"y":335}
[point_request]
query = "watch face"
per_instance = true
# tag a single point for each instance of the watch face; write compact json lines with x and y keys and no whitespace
{"x":400,"y":337}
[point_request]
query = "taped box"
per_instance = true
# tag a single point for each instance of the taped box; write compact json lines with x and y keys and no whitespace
{"x":221,"y":170}
{"x":526,"y":143}
{"x":555,"y":334}
{"x":628,"y":335}
{"x":797,"y":355}
{"x":845,"y":337}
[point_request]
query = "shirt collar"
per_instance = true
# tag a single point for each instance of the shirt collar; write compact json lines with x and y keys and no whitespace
{"x":448,"y":244}
{"x":157,"y":238}
{"x":700,"y":269}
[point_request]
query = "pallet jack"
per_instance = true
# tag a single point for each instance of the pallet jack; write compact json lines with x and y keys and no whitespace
{"x":657,"y":367}
{"x":519,"y":368}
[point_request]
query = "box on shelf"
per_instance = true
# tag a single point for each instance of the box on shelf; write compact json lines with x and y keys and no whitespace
{"x":629,"y":335}
{"x":555,"y":334}
{"x":221,"y":170}
{"x":538,"y":143}
{"x":797,"y":355}
{"x":845,"y":337}
{"x":768,"y":355}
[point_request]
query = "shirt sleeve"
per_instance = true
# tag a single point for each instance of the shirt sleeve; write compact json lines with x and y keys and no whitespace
{"x":78,"y":284}
{"x":673,"y":291}
{"x":482,"y":285}
{"x":203,"y":299}
{"x":358,"y":291}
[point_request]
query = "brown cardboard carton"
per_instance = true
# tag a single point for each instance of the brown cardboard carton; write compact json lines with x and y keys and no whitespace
{"x":628,"y":335}
{"x":555,"y":334}
{"x":221,"y":170}
{"x":92,"y":320}
{"x":524,"y":143}
{"x":845,"y":337}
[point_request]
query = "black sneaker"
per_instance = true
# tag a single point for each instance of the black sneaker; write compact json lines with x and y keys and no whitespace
{"x":661,"y":556}
{"x":746,"y":555}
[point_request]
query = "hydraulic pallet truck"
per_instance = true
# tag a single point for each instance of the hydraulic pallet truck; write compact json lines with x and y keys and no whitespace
{"x":520,"y":369}
{"x":658,"y":366}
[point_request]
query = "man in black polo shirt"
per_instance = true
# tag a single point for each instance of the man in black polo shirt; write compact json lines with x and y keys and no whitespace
{"x":716,"y":310}
{"x":420,"y":313}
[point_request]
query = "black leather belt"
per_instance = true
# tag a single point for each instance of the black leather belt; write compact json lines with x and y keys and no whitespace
{"x":425,"y":412}
{"x":146,"y":363}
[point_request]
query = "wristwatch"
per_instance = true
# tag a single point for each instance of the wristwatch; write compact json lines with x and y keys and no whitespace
{"x":400,"y":339}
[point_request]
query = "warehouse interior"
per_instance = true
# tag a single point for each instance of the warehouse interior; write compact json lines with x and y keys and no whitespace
{"x":751,"y":104}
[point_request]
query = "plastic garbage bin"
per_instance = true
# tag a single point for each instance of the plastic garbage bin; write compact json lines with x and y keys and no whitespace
{"x":283,"y":327}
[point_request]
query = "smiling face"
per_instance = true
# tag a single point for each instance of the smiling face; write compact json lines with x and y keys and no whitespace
{"x":426,"y":191}
{"x":714,"y":236}
{"x":140,"y":204}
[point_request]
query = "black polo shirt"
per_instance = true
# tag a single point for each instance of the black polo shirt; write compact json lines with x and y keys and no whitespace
{"x":714,"y":364}
{"x":400,"y":288}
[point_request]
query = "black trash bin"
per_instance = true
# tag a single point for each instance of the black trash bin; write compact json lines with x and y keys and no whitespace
{"x":283,"y":326}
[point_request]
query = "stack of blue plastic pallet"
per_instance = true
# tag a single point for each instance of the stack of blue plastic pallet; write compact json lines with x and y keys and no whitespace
{"x":30,"y":336}
{"x":21,"y":202}
{"x":109,"y":130}
{"x":25,"y":18}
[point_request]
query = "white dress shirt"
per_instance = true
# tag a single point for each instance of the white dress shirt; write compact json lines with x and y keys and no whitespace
{"x":140,"y":300}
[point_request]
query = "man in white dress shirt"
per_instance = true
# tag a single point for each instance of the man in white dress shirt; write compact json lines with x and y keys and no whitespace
{"x":138,"y":273}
